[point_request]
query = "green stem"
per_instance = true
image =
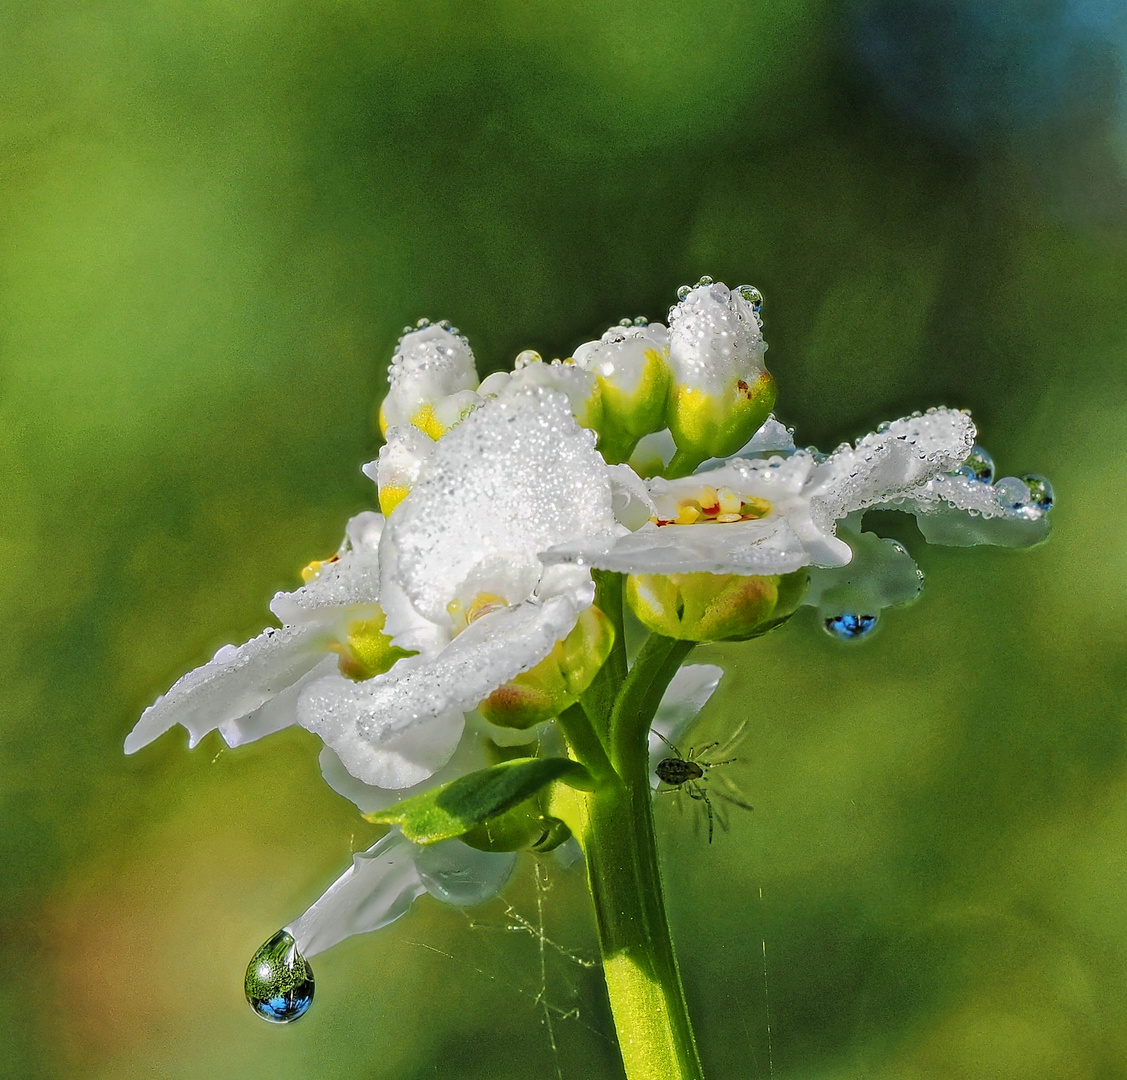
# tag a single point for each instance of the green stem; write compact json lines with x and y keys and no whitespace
{"x":616,"y":826}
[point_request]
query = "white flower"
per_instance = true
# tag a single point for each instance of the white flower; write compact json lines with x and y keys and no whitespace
{"x":251,"y":690}
{"x":463,"y":583}
{"x":383,"y":882}
{"x":715,"y":340}
{"x":777,"y":514}
{"x":432,"y":373}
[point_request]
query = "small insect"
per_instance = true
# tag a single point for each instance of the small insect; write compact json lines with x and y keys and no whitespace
{"x":688,"y":774}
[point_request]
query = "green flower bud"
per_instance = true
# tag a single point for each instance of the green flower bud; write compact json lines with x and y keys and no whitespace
{"x":713,"y":607}
{"x":556,"y":682}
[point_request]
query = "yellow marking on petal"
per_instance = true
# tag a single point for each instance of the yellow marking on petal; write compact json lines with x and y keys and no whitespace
{"x":383,"y":419}
{"x":308,"y":573}
{"x":391,"y":495}
{"x":425,"y":420}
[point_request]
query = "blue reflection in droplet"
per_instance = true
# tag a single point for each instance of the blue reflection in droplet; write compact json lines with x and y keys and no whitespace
{"x":978,"y":466}
{"x":850,"y":626}
{"x":279,"y":980}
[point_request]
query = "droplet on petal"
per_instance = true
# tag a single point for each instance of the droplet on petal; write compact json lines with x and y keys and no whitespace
{"x":850,"y":626}
{"x":683,"y":291}
{"x":279,"y":980}
{"x":705,"y":280}
{"x":979,"y":466}
{"x":1040,"y":493}
{"x":1014,"y":495}
{"x":753,"y":296}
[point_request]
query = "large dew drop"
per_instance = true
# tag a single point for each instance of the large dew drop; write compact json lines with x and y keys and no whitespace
{"x":978,"y":466}
{"x":279,"y":980}
{"x":1040,"y":493}
{"x":850,"y":626}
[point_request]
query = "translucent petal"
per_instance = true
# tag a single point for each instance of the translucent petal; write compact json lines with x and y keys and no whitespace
{"x":368,"y":723}
{"x":279,"y":712}
{"x":458,"y":874}
{"x":631,"y":500}
{"x":688,"y":692}
{"x":351,"y":581}
{"x":881,"y":574}
{"x":516,"y":477}
{"x":890,"y":463}
{"x":429,"y":365}
{"x":960,"y":512}
{"x":714,"y":339}
{"x":375,"y":890}
{"x":233,"y":684}
{"x":653,"y":453}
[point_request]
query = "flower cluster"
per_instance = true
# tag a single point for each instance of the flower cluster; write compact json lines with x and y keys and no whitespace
{"x":462,"y":617}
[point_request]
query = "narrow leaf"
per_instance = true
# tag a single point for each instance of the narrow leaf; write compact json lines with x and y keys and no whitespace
{"x":457,"y":807}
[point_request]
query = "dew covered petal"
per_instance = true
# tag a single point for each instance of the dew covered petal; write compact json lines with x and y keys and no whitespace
{"x":516,"y":477}
{"x":881,"y":574}
{"x":890,"y":463}
{"x":714,"y":339}
{"x":379,"y":887}
{"x":372,"y":725}
{"x":458,"y":874}
{"x":957,"y":511}
{"x":233,"y":684}
{"x":429,"y":364}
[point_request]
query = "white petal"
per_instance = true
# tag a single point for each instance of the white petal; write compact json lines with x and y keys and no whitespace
{"x":890,"y":463}
{"x":458,"y":874}
{"x":714,"y":339}
{"x":375,"y":890}
{"x":368,"y":724}
{"x":429,"y":365}
{"x":513,"y":479}
{"x":768,"y":546}
{"x":688,"y":692}
{"x":401,"y":457}
{"x":343,"y":587}
{"x":570,"y":379}
{"x":232,"y":685}
{"x":469,"y":755}
{"x":631,"y":500}
{"x":960,"y":512}
{"x":620,"y":354}
{"x":653,"y":453}
{"x":278,"y":712}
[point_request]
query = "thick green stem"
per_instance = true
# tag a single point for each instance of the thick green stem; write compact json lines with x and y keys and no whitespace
{"x":615,"y":823}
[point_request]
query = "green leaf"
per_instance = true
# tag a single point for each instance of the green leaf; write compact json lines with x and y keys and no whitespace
{"x":463,"y":804}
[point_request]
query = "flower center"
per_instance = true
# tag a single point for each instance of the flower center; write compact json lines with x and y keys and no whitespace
{"x":718,"y":506}
{"x":461,"y":615}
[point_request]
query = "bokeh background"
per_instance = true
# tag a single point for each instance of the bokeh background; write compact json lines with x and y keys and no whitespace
{"x":214,"y":220}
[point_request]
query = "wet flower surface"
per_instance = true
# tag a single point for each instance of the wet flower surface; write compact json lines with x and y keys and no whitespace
{"x":463,"y":657}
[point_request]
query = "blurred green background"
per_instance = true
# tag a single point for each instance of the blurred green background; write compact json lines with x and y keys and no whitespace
{"x":214,"y":220}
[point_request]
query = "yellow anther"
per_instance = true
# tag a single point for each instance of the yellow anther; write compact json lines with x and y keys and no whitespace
{"x":483,"y":604}
{"x":391,"y":495}
{"x":709,"y":500}
{"x":724,"y":519}
{"x":687,"y":513}
{"x":425,"y":420}
{"x":729,"y":501}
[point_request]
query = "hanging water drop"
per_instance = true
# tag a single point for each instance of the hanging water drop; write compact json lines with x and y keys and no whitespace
{"x":279,"y":980}
{"x":979,"y":466}
{"x":422,"y":324}
{"x":683,"y":291}
{"x":1040,"y":493}
{"x":705,"y":280}
{"x":753,"y":296}
{"x":850,"y":626}
{"x":1014,"y":495}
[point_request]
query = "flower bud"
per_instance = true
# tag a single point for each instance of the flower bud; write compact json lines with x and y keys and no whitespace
{"x":580,"y":386}
{"x":557,"y":681}
{"x":631,"y":367}
{"x":720,"y":392}
{"x":430,"y":364}
{"x":713,"y":607}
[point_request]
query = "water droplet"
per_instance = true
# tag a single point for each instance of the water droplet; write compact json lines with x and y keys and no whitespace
{"x":683,"y":291}
{"x":408,"y":329}
{"x":447,"y":325}
{"x":1040,"y":492}
{"x":422,"y":324}
{"x":979,"y":466}
{"x":526,"y":357}
{"x":626,"y":322}
{"x":705,"y":280}
{"x":753,"y":296}
{"x":279,"y":980}
{"x":850,"y":626}
{"x":641,"y":320}
{"x":1013,"y":494}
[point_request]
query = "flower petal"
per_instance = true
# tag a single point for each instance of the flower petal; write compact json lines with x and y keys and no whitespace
{"x":889,"y":464}
{"x":515,"y":477}
{"x":429,"y":364}
{"x":233,"y":684}
{"x":960,"y":512}
{"x":397,"y":729}
{"x":714,"y":339}
{"x":458,"y":874}
{"x":379,"y":886}
{"x":351,"y":581}
{"x":881,"y":574}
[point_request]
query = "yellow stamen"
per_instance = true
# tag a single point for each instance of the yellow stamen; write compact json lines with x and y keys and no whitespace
{"x":308,"y":573}
{"x":724,"y":519}
{"x":687,"y":513}
{"x":729,"y":501}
